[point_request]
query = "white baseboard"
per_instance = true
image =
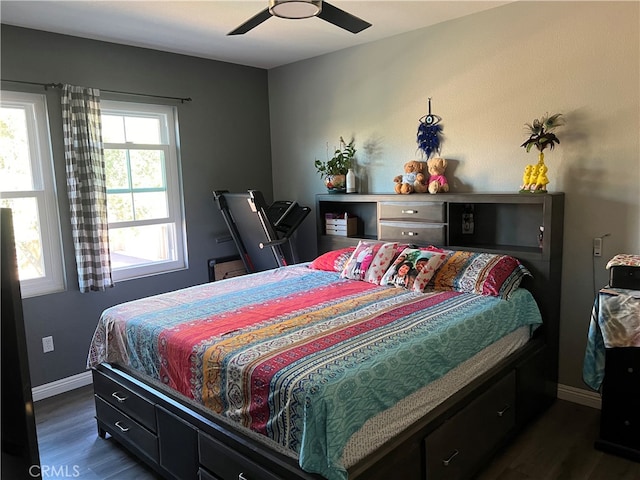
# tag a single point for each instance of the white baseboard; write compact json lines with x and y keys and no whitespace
{"x":579,"y":395}
{"x":61,"y":386}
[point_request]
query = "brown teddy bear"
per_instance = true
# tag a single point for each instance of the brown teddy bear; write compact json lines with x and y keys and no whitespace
{"x":413,"y":179}
{"x":437,"y":181}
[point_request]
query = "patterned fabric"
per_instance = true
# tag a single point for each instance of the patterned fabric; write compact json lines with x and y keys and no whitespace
{"x":86,"y":186}
{"x":369,"y":261}
{"x":303,"y":356}
{"x":411,"y":264}
{"x":381,"y":262}
{"x":625,"y":259}
{"x":333,"y":261}
{"x":427,"y":264}
{"x":615,"y":322}
{"x":481,"y":273}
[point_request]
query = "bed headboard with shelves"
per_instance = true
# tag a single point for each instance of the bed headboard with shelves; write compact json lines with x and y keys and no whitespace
{"x":526,"y":226}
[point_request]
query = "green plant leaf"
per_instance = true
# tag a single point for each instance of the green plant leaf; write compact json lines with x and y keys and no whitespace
{"x":341,"y":161}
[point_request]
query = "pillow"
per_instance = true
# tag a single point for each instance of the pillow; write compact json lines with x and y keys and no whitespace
{"x":381,"y":262}
{"x":433,"y":248}
{"x":332,"y":261}
{"x":369,"y":261}
{"x":426,"y":265}
{"x":412,"y":269}
{"x":481,"y":273}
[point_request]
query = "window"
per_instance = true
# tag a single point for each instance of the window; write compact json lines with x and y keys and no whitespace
{"x":144,"y":207}
{"x":27,"y":187}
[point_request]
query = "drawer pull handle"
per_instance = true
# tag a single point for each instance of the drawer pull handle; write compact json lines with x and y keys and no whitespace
{"x":118,"y":397}
{"x":448,"y":460}
{"x":241,"y":476}
{"x":122,"y":429}
{"x":410,"y":212}
{"x":503,"y":411}
{"x":410,"y":234}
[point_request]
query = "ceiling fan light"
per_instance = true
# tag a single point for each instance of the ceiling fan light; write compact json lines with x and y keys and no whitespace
{"x":295,"y":8}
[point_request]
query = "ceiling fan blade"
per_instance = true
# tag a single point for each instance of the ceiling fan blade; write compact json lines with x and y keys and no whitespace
{"x":252,"y":22}
{"x":342,"y":19}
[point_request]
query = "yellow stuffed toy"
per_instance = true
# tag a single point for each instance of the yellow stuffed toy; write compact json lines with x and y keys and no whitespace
{"x":413,"y":179}
{"x":534,"y":178}
{"x":525,"y":178}
{"x":541,"y":180}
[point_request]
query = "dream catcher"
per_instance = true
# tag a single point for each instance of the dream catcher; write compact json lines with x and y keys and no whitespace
{"x":429,"y":134}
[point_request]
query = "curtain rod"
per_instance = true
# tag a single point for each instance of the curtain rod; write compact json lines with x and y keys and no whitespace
{"x":60,"y":85}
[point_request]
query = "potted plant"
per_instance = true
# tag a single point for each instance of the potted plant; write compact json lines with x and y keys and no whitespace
{"x":335,"y":169}
{"x":541,"y":136}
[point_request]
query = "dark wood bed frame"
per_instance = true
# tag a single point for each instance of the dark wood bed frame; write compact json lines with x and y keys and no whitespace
{"x":182,"y":440}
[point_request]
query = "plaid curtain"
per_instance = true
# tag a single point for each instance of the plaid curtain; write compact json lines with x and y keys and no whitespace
{"x":86,"y":186}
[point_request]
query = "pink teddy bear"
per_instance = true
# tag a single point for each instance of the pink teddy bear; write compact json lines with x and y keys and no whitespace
{"x":437,"y":181}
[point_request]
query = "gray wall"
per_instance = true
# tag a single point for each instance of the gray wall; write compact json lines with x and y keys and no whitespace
{"x":224,"y":136}
{"x":487,"y":74}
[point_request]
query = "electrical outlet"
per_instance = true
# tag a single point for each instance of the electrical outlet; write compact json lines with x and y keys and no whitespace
{"x":47,"y":344}
{"x":597,"y":247}
{"x":467,"y":223}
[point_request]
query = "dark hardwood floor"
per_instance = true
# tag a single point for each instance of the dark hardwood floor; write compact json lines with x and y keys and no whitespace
{"x":68,"y":441}
{"x":559,"y":445}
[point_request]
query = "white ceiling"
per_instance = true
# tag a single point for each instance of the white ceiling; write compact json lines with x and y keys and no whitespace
{"x":199,"y":28}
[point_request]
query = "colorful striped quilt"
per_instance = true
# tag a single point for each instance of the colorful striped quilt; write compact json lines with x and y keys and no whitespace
{"x":300,"y":355}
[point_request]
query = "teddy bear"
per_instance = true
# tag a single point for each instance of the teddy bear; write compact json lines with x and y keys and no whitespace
{"x":413,"y":179}
{"x":437,"y":181}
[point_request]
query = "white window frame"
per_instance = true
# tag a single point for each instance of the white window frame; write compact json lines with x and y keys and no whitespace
{"x":44,"y":191}
{"x":169,"y":145}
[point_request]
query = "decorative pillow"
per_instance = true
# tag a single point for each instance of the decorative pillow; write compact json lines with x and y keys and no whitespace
{"x":426,"y":265}
{"x":374,"y":256}
{"x":433,"y":248}
{"x":412,"y":269}
{"x":333,"y":261}
{"x":482,"y":273}
{"x":381,"y":262}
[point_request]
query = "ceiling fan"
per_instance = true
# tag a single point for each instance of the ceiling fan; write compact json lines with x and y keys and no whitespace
{"x":304,"y":9}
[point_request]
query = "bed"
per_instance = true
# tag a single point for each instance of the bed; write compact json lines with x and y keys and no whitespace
{"x":320,"y":371}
